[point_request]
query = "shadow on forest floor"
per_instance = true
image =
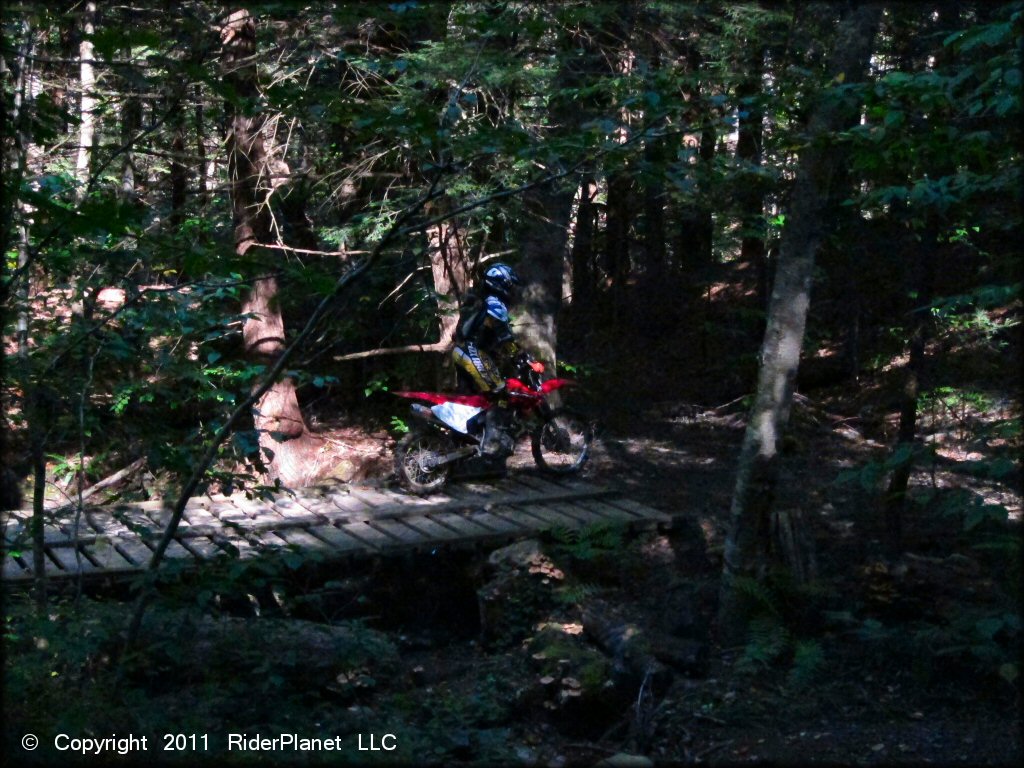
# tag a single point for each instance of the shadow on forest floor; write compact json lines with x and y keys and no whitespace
{"x":521,"y":657}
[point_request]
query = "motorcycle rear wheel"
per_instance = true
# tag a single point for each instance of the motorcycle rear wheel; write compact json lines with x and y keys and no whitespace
{"x":561,"y":445}
{"x":413,"y":456}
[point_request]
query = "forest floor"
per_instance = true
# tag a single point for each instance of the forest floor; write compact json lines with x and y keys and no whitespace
{"x":877,"y":660}
{"x":871,"y":694}
{"x":601,"y":646}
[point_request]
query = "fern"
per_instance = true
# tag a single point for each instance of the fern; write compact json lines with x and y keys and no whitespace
{"x":575,"y":594}
{"x":588,"y":542}
{"x":759,"y":596}
{"x":808,"y":658}
{"x":768,"y":640}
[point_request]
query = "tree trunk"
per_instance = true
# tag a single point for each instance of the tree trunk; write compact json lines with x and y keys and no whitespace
{"x":283,"y":436}
{"x":449,"y":266}
{"x":694,"y":252}
{"x":583,"y":245}
{"x":922,"y":277}
{"x":750,"y":190}
{"x":203,"y":171}
{"x":179,"y":173}
{"x":754,"y":492}
{"x":542,"y":245}
{"x":616,"y":237}
{"x":87,"y":112}
{"x":654,"y":212}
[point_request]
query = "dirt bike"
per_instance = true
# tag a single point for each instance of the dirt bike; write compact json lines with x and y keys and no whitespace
{"x":447,"y":435}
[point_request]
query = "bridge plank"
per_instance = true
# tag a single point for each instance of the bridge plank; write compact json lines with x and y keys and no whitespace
{"x":373,"y":538}
{"x":321,"y":508}
{"x":65,"y":558}
{"x":601,"y":514}
{"x":14,"y":569}
{"x":103,"y":553}
{"x":174,"y":550}
{"x":134,"y":550}
{"x":398,"y":530}
{"x":196,"y":515}
{"x":15,"y":529}
{"x":640,"y":509}
{"x":107,"y":525}
{"x":246,"y":548}
{"x":432,"y":529}
{"x":337,"y":538}
{"x":462,"y":526}
{"x":202,"y":547}
{"x":301,"y":539}
{"x":496,"y":522}
{"x":548,"y":516}
{"x":582,"y":515}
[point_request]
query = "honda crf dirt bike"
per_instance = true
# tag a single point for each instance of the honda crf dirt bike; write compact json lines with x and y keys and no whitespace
{"x":447,"y":434}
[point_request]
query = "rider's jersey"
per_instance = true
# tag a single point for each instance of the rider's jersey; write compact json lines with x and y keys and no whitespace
{"x":485,"y":323}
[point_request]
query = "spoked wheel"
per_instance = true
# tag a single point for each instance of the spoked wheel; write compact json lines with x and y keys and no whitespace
{"x":415,"y":461}
{"x":561,"y":445}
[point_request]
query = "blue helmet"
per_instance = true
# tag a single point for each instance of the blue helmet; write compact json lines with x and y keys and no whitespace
{"x":496,"y":309}
{"x":500,"y":280}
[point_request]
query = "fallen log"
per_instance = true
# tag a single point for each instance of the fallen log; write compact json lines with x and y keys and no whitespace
{"x":106,"y":482}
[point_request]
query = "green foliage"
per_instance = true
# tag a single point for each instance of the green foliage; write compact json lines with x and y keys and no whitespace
{"x":589,"y":542}
{"x":973,"y":641}
{"x":778,"y":632}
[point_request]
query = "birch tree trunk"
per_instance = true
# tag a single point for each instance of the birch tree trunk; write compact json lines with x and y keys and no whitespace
{"x":283,"y":436}
{"x":87,"y":112}
{"x":747,"y":544}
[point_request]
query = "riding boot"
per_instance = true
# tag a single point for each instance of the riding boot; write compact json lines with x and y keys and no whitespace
{"x":496,"y":442}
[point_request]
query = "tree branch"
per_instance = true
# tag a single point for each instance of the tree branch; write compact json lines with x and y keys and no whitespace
{"x":437,"y":346}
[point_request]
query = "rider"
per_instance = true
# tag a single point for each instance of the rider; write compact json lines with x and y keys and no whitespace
{"x":482,"y":336}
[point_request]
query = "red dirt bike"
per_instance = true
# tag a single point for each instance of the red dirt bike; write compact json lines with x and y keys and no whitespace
{"x":445,"y":436}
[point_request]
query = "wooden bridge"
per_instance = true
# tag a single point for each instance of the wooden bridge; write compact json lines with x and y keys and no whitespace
{"x":336,"y":521}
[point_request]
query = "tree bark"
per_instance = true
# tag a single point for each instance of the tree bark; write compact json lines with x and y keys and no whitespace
{"x":753,"y":495}
{"x":203,"y":171}
{"x":87,"y":111}
{"x":284,"y":439}
{"x":583,"y":244}
{"x":694,"y":252}
{"x":449,"y":266}
{"x":179,"y":171}
{"x":542,"y":244}
{"x":616,"y":236}
{"x":750,"y":190}
{"x":925,"y":262}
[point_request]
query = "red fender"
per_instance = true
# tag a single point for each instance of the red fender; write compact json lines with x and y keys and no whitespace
{"x":552,"y":384}
{"x":477,"y":401}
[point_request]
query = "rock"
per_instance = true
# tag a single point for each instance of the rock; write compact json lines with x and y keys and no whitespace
{"x":624,"y":760}
{"x":519,"y":591}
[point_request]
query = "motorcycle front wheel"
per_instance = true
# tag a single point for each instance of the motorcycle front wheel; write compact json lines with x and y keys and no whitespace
{"x":561,"y":445}
{"x":415,"y":457}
